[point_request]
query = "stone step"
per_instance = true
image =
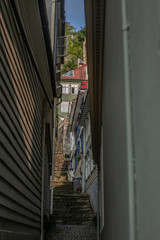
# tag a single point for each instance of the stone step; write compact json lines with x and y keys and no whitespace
{"x":60,"y":167}
{"x":60,"y":179}
{"x":72,"y":200}
{"x":63,"y":185}
{"x":76,"y":195}
{"x":72,"y":209}
{"x":60,"y":173}
{"x":60,"y":162}
{"x":64,"y":189}
{"x":72,"y":221}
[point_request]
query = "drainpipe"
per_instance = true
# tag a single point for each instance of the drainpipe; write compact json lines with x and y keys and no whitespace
{"x":53,"y":37}
{"x":53,"y":150}
{"x":98,"y":204}
{"x":125,"y":29}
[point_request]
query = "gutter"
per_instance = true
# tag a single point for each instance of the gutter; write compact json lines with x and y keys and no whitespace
{"x":46,"y":34}
{"x":24,"y":37}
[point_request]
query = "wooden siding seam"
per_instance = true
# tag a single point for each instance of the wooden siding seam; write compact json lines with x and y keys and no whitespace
{"x":13,"y":216}
{"x":28,"y":176}
{"x":33,"y":218}
{"x":23,"y":141}
{"x":10,"y":162}
{"x":10,"y":130}
{"x":16,"y":109}
{"x":20,"y":192}
{"x":16,"y":57}
{"x":38,"y":179}
{"x":18,"y":87}
{"x":3,"y":195}
{"x":19,"y":101}
{"x":22,"y":186}
{"x":12,"y":193}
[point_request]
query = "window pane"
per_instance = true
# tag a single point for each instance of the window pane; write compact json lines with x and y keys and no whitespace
{"x":65,"y":88}
{"x":74,"y":88}
{"x":64,"y":106}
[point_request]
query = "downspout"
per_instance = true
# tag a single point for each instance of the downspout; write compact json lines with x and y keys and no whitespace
{"x":131,"y":196}
{"x":53,"y":47}
{"x":98,"y":205}
{"x":42,"y":195}
{"x":48,"y":44}
{"x":53,"y":150}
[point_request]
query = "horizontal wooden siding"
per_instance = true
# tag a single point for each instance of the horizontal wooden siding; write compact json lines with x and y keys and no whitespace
{"x":21,"y":135}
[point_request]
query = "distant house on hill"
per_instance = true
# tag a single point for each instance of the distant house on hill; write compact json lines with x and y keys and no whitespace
{"x":71,"y":82}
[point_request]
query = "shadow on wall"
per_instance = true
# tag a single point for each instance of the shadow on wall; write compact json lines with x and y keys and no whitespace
{"x":21,"y":136}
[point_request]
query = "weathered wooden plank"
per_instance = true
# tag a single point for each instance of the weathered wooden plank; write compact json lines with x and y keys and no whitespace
{"x":7,"y":132}
{"x":23,"y":105}
{"x":22,"y":96}
{"x":23,"y":137}
{"x":20,"y":138}
{"x":21,"y":161}
{"x":15,"y":94}
{"x":12,"y":215}
{"x":17,"y":110}
{"x":13,"y":180}
{"x":12,"y":193}
{"x":26,"y":61}
{"x":19,"y":230}
{"x":8,"y":38}
{"x":11,"y":163}
{"x":8,"y":127}
{"x":10,"y":204}
{"x":19,"y":236}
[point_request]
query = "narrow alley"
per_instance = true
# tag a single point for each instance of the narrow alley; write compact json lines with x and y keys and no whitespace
{"x":73,"y":216}
{"x":80,"y":120}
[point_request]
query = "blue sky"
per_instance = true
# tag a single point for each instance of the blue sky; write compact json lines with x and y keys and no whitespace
{"x":75,"y":13}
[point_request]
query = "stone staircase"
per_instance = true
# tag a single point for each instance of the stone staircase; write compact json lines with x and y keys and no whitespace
{"x":71,"y":210}
{"x":61,"y":184}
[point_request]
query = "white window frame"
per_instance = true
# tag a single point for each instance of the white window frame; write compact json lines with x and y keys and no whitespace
{"x":65,"y":88}
{"x":64,"y":107}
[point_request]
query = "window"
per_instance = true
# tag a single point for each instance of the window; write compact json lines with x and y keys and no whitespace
{"x":65,"y":88}
{"x":89,"y":164}
{"x":74,"y":88}
{"x":64,"y":107}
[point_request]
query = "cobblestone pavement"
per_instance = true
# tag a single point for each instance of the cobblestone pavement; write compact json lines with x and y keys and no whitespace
{"x":72,"y":232}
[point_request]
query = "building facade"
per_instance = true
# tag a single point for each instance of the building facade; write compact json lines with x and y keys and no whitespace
{"x":85,"y":169}
{"x":28,"y":89}
{"x":70,"y":82}
{"x":123,"y":63}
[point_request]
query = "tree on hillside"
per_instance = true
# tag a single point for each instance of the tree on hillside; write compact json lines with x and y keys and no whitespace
{"x":75,"y":47}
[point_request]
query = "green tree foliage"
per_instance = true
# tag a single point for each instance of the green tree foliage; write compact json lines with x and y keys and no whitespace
{"x":75,"y":47}
{"x":69,"y":65}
